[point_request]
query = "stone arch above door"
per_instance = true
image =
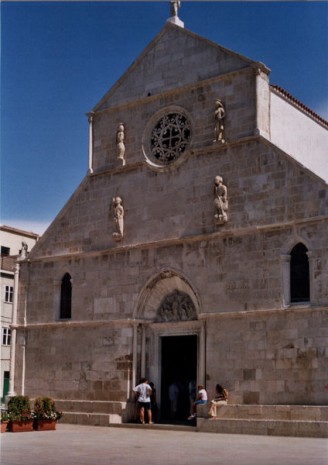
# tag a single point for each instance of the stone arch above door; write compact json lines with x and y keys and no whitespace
{"x":168,"y":296}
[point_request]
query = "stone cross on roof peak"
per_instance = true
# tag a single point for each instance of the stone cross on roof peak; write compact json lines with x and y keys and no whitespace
{"x":174,"y":7}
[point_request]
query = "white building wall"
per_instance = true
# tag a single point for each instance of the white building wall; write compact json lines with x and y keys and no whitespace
{"x":13,"y":238}
{"x":299,"y":135}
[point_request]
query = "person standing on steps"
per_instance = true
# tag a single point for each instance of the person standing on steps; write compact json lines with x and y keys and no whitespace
{"x":143,"y":392}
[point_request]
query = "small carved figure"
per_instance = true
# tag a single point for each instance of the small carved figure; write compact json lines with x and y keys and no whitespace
{"x":120,"y":143}
{"x":23,"y":251}
{"x":220,"y":201}
{"x":174,"y":7}
{"x":118,"y":218}
{"x":219,"y":115}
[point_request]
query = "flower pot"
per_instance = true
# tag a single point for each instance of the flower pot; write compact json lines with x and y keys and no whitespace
{"x":45,"y":425}
{"x":16,"y":426}
{"x":4,"y":425}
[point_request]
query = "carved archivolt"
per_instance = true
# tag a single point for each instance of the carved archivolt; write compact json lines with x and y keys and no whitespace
{"x":176,"y":306}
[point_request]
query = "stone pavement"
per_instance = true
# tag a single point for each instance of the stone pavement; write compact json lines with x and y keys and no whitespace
{"x":90,"y":445}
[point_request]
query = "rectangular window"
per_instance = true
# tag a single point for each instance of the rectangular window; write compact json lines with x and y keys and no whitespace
{"x":5,"y":250}
{"x":6,"y":336}
{"x":9,"y":293}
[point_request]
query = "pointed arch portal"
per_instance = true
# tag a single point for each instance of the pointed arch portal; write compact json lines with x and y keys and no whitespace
{"x":169,"y":340}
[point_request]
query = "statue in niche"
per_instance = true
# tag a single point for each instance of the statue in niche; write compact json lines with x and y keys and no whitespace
{"x":219,"y":116}
{"x":177,"y":306}
{"x":120,"y":143}
{"x":118,"y":218}
{"x":174,"y":7}
{"x":220,"y":201}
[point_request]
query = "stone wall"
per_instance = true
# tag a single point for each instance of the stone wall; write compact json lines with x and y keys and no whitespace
{"x":270,"y":358}
{"x":91,"y":362}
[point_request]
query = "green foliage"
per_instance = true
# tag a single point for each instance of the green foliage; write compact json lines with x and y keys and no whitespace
{"x":45,"y":409}
{"x":4,"y":416}
{"x":19,"y":408}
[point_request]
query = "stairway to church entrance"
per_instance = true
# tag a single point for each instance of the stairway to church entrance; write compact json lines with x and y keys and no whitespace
{"x":178,"y":369}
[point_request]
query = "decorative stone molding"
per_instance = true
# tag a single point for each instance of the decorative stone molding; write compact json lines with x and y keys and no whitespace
{"x":118,"y":219}
{"x":176,"y":306}
{"x":220,"y":201}
{"x":219,"y":116}
{"x":120,"y":143}
{"x":167,"y":137}
{"x":170,"y":137}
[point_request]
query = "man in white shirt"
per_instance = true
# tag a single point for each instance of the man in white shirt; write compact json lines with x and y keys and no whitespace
{"x":143,"y":391}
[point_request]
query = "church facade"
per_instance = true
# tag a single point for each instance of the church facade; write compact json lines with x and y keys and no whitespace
{"x":196,"y":247}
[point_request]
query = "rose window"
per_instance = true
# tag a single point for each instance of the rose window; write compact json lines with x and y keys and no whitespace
{"x":170,"y":137}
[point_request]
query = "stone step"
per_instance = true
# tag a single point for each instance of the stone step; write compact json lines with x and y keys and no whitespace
{"x":275,"y":420}
{"x":90,"y":419}
{"x":296,"y":428}
{"x":91,"y":406}
{"x":268,"y":412}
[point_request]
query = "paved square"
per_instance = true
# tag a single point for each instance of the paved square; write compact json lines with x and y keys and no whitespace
{"x":84,"y":445}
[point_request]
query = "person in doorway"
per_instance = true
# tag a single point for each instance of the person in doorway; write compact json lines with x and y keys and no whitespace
{"x":153,"y":402}
{"x":174,"y":393}
{"x":192,"y":394}
{"x":143,"y":392}
{"x":200,"y":400}
{"x":221,"y":398}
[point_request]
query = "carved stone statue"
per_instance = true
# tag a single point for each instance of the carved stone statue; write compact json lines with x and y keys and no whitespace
{"x":120,"y":143}
{"x":219,"y":115}
{"x":177,"y":306}
{"x":23,"y":253}
{"x":220,"y":201}
{"x":118,"y":218}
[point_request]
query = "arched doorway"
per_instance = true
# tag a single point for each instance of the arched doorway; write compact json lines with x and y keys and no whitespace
{"x":171,"y":343}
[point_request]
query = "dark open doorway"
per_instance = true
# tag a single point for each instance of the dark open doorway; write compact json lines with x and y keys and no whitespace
{"x":179,"y":367}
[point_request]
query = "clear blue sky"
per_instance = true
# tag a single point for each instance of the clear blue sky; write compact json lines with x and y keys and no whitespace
{"x":59,"y":59}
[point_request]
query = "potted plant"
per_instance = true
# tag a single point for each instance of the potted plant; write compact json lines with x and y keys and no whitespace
{"x":45,"y":414}
{"x":19,"y":411}
{"x":4,"y":420}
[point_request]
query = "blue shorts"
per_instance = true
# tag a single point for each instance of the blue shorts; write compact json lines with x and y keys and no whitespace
{"x":145,"y":405}
{"x":200,"y":402}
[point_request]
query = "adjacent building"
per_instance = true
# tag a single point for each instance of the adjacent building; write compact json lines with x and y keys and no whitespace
{"x":12,"y":243}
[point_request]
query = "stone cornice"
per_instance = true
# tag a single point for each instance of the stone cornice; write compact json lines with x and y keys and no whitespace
{"x":294,"y":308}
{"x":235,"y":232}
{"x":192,"y":324}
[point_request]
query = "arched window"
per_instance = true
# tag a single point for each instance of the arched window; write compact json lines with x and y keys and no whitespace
{"x":66,"y":297}
{"x":299,"y":274}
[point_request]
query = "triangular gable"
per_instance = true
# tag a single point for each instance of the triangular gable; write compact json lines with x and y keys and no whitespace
{"x":174,"y":58}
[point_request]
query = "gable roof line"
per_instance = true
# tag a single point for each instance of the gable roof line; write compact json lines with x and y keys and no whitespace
{"x":151,"y":44}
